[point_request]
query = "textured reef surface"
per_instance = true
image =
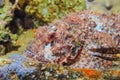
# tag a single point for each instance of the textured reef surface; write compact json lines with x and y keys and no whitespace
{"x":79,"y":40}
{"x":82,"y":45}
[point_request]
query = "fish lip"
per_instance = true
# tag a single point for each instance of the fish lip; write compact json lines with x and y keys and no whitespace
{"x":107,"y":58}
{"x":110,"y":50}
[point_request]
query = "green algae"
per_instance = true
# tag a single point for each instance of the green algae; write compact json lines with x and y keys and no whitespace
{"x":5,"y":17}
{"x":23,"y":40}
{"x":48,"y":10}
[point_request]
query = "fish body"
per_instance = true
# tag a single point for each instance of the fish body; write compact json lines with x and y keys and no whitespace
{"x":70,"y":41}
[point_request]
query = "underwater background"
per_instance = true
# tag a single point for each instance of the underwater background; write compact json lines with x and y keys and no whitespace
{"x":59,"y":40}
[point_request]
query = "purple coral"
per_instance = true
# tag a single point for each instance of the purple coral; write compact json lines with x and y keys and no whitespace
{"x":17,"y":66}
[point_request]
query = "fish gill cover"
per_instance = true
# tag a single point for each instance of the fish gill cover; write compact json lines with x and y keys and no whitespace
{"x":79,"y":40}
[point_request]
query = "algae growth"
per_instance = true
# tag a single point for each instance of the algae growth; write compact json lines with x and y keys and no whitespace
{"x":5,"y":35}
{"x":48,"y":10}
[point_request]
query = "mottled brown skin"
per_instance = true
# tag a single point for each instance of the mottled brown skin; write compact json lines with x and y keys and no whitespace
{"x":75,"y":38}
